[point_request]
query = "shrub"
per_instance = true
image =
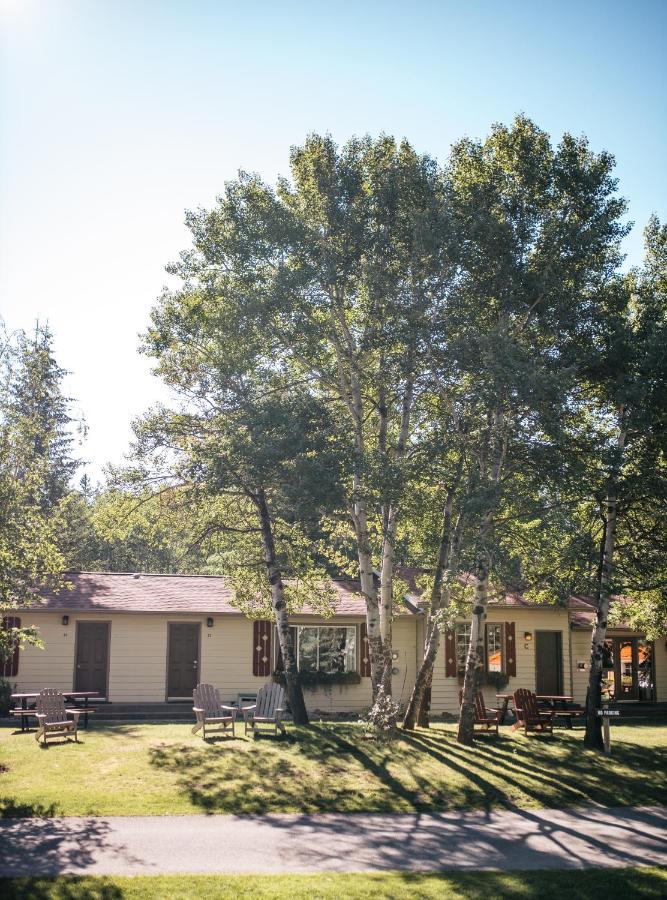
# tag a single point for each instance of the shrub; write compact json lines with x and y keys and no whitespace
{"x":382,"y":718}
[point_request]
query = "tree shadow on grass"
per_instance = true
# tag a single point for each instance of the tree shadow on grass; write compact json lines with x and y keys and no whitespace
{"x":562,"y":772}
{"x":279,"y":776}
{"x":216,"y":779}
{"x":633,"y":775}
{"x":66,"y":888}
{"x":10,"y":809}
{"x":422,"y":771}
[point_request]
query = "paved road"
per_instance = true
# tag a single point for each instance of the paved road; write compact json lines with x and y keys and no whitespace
{"x":522,"y":839}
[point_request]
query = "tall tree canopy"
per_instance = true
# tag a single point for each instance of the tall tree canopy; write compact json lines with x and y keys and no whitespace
{"x":338,"y":273}
{"x":536,"y":232}
{"x":253,"y":451}
{"x":36,"y":465}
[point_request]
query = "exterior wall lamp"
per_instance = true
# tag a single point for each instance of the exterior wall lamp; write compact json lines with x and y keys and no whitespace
{"x":209,"y":622}
{"x":65,"y":620}
{"x":528,"y":635}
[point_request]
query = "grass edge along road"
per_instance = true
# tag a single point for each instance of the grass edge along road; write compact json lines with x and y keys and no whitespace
{"x":586,"y":884}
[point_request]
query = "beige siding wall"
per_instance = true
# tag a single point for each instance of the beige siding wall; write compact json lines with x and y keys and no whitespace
{"x":445,"y":690}
{"x":138,"y":659}
{"x":581,"y":653}
{"x":661,"y":669}
{"x":53,"y":666}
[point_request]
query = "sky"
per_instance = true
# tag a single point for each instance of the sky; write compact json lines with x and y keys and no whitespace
{"x":117,"y":116}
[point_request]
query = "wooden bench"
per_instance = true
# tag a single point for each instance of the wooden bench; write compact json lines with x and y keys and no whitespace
{"x":567,"y":715}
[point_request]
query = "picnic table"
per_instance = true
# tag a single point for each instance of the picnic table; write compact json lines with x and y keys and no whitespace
{"x":557,"y":702}
{"x":25,"y":711}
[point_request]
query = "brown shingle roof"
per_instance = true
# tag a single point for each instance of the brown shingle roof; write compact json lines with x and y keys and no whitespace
{"x":128,"y":592}
{"x":209,"y":594}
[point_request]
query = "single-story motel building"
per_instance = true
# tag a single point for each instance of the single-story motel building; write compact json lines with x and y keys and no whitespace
{"x":138,"y":638}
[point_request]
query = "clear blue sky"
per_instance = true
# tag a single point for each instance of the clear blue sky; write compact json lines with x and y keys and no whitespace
{"x":117,"y":115}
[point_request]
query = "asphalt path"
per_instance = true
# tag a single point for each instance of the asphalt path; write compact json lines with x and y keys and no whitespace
{"x":516,"y":839}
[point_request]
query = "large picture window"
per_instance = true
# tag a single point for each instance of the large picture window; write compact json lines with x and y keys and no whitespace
{"x":494,"y":647}
{"x":327,"y":648}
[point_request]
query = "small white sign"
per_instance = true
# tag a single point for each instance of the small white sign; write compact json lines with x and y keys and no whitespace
{"x":609,"y":712}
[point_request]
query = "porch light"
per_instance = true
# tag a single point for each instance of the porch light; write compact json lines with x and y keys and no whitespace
{"x":209,"y":622}
{"x":65,"y":620}
{"x":528,"y":635}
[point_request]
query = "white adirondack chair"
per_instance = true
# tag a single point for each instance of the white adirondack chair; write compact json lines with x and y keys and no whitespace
{"x":268,"y":709}
{"x":52,"y":716}
{"x":210,"y":711}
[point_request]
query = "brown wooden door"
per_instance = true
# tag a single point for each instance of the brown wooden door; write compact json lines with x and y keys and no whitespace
{"x":548,"y":662}
{"x":92,"y":657}
{"x":183,"y":659}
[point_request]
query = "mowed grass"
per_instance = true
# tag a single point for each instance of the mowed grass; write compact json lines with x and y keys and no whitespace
{"x":162,"y":769}
{"x":588,"y":884}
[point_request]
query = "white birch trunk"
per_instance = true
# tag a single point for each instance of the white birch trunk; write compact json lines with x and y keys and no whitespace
{"x":388,"y":548}
{"x":292,"y":682}
{"x":593,"y":737}
{"x":444,"y":570}
{"x":386,"y":599}
{"x":369,"y":590}
{"x":475,"y":660}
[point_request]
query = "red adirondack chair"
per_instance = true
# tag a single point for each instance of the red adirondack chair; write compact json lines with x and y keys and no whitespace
{"x":529,"y":713}
{"x":486,"y":719}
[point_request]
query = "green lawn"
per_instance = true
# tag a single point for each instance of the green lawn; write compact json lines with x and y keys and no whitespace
{"x":590,"y":884}
{"x":163,"y":769}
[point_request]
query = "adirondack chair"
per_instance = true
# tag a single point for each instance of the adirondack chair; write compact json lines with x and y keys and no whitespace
{"x":486,"y":718}
{"x":268,"y":709}
{"x":210,"y":711}
{"x":52,"y":716}
{"x":530,"y":715}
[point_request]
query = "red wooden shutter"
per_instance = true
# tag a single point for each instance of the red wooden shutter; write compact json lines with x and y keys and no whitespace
{"x":365,"y":652}
{"x":10,"y":668}
{"x":510,"y":649}
{"x":451,"y":669}
{"x":261,"y":647}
